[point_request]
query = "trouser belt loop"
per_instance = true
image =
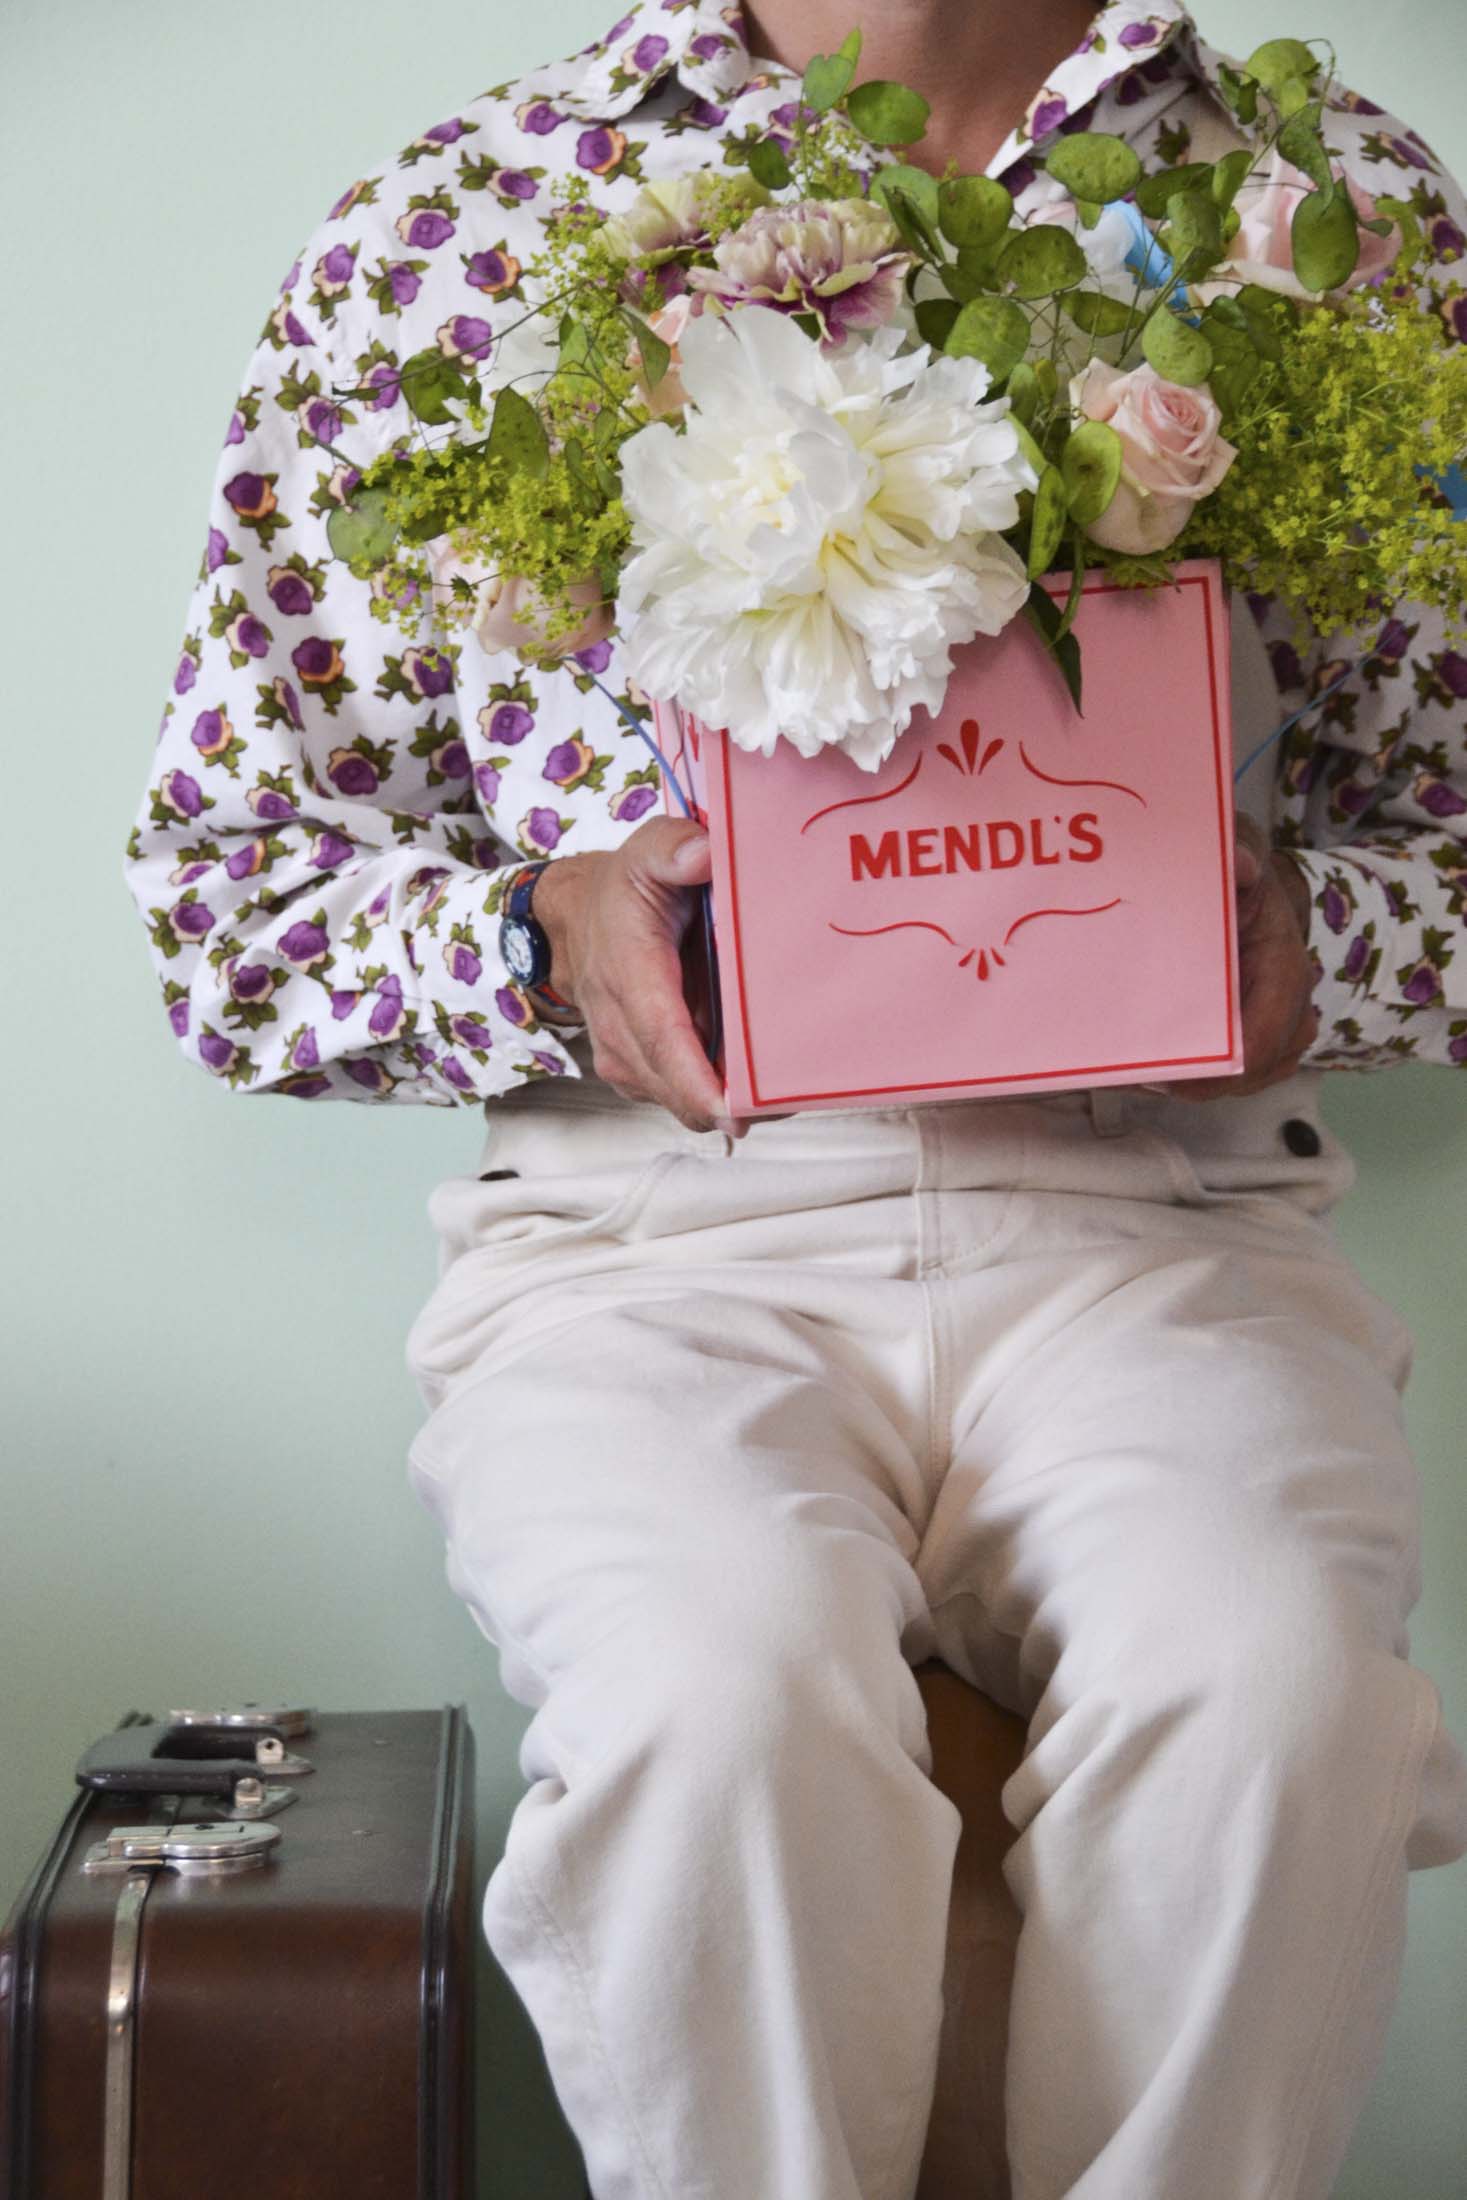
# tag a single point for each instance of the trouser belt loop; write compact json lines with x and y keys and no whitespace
{"x":1107,"y":1109}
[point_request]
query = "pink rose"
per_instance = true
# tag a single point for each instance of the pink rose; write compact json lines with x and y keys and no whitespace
{"x":668,"y":396}
{"x":1262,"y":251}
{"x":1173,"y":453}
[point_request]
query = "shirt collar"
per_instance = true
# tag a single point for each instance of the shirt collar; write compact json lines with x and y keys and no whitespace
{"x":702,"y":43}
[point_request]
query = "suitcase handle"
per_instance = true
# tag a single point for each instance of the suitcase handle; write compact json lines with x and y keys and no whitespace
{"x":166,"y":1758}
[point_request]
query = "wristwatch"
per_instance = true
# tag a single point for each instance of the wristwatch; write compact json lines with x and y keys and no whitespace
{"x":524,"y":942}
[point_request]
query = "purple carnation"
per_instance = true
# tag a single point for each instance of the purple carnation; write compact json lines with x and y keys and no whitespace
{"x":402,"y":282}
{"x":1440,"y":800}
{"x":248,"y":636}
{"x":1336,"y":909}
{"x":595,"y":659}
{"x":323,"y":420}
{"x":186,"y":674}
{"x":456,"y":1074}
{"x":513,"y":183}
{"x":1424,"y":984}
{"x":462,"y":963}
{"x":470,"y":1032}
{"x":544,"y":828}
{"x":452,"y":760}
{"x":446,"y":133}
{"x":486,"y":780}
{"x":209,"y":731}
{"x":216,"y":550}
{"x":178,"y":1017}
{"x":540,"y":118}
{"x":511,"y":1007}
{"x":1140,"y":34}
{"x":469,"y":338}
{"x":270,"y":806}
{"x":371,"y":1076}
{"x":648,"y":51}
{"x":330,"y":849}
{"x":487,"y":271}
{"x":339,"y":264}
{"x":1452,"y":671}
{"x":1048,"y":115}
{"x":251,"y":981}
{"x":1394,"y":641}
{"x":632,"y":803}
{"x":1357,"y":955}
{"x":343,"y":1004}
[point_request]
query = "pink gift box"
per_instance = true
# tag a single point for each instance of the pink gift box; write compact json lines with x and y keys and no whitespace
{"x":1020,"y":900}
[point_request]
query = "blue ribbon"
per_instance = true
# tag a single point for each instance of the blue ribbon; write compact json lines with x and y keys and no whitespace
{"x":643,"y":735}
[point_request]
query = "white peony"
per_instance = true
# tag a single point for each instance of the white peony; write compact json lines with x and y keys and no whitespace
{"x":808,"y":553}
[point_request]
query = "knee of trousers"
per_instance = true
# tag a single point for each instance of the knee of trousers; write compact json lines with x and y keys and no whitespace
{"x":773,"y":1661}
{"x":1291,"y":1704}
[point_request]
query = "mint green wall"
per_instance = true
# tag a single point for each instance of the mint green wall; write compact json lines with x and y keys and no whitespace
{"x":205,"y":1295}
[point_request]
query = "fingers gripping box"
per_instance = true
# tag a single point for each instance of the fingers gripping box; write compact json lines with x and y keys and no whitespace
{"x":1021,"y":898}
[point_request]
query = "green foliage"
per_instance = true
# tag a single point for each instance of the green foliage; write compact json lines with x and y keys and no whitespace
{"x":361,"y":533}
{"x":1091,"y":165}
{"x":1326,"y":238}
{"x":430,"y":383}
{"x":1323,"y":505}
{"x":769,"y":165}
{"x":1091,"y":468}
{"x":1040,"y":260}
{"x":1048,"y":522}
{"x":974,"y":210}
{"x":887,"y":113}
{"x":829,"y":75}
{"x":995,"y":330}
{"x":1179,"y":352}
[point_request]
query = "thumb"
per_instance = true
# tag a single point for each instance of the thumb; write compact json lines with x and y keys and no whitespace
{"x":1246,"y":866}
{"x":686,"y":861}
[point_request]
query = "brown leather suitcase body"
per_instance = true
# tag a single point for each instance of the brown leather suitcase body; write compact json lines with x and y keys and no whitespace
{"x":247,"y":1959}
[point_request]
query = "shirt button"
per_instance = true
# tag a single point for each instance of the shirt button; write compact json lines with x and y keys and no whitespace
{"x":1301,"y":1137}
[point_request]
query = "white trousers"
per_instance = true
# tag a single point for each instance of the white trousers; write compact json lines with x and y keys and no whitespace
{"x":1078,"y":1393}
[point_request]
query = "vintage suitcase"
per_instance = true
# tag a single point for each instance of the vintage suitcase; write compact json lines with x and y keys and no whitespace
{"x":247,"y":1958}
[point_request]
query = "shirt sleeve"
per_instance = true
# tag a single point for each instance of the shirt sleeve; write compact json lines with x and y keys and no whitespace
{"x":1375,"y":779}
{"x":317,"y":870}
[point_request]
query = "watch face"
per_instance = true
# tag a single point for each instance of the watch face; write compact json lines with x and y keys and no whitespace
{"x":518,"y":948}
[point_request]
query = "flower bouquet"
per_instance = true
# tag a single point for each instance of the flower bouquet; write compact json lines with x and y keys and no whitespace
{"x":917,"y":523}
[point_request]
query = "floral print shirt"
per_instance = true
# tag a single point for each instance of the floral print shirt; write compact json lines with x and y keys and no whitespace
{"x":331,"y":813}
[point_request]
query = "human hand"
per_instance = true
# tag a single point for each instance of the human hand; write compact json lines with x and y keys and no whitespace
{"x":1279,"y":1020}
{"x":616,"y":919}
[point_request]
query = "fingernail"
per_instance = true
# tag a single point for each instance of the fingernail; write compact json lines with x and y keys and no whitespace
{"x":689,"y":852}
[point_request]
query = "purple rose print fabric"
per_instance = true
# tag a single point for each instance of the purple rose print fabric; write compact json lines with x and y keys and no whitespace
{"x":332,"y":810}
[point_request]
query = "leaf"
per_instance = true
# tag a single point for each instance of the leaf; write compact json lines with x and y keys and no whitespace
{"x":656,"y":355}
{"x":1277,"y":61}
{"x":1027,"y":443}
{"x":994,"y":330}
{"x":1089,"y":212}
{"x":1325,"y":235}
{"x":1300,"y":142}
{"x":1403,"y":214}
{"x":917,"y":232}
{"x":360,"y":533}
{"x":912,"y":183}
{"x":1240,"y":93}
{"x":1236,"y":364}
{"x":1097,"y":314}
{"x":1090,"y":465}
{"x":1041,"y":260}
{"x":974,"y":210}
{"x":887,"y":113}
{"x":828,"y":77}
{"x":1023,"y":394}
{"x":1230,"y":174}
{"x":1179,"y":352}
{"x":517,"y":440}
{"x":1193,"y":233}
{"x":768,"y":164}
{"x":1077,"y":590}
{"x":1264,"y":310}
{"x":1043,"y":614}
{"x":1153,"y":193}
{"x":1047,"y":526}
{"x":428,"y":381}
{"x":935,"y":318}
{"x":1094,"y":165}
